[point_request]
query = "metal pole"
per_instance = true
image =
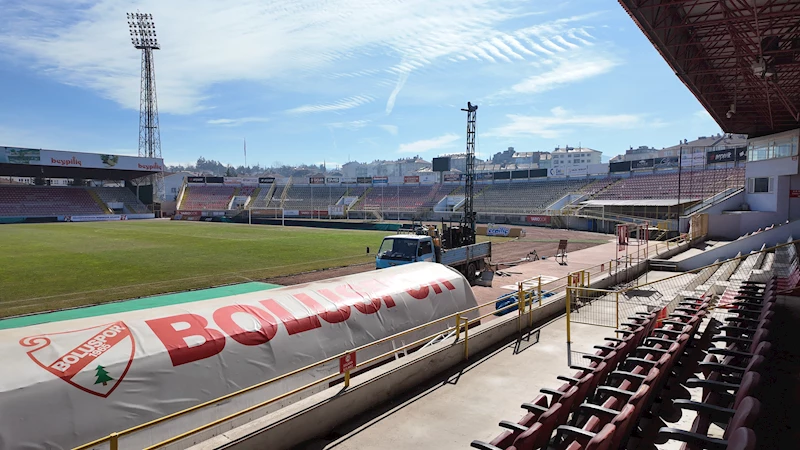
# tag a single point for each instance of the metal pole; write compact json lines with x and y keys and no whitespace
{"x":569,"y":311}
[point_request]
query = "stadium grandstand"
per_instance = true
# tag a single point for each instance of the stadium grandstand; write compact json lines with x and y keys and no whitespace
{"x":659,"y":190}
{"x":49,"y":185}
{"x":679,"y":330}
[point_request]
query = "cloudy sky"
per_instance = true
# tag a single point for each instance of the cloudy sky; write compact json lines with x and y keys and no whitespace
{"x":338,"y":80}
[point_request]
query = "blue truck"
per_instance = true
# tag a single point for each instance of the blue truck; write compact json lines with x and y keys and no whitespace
{"x":401,"y":249}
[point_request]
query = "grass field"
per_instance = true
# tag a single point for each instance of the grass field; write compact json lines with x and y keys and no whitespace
{"x":52,"y":266}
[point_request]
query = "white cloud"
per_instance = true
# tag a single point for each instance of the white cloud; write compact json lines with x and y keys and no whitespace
{"x":559,"y":122}
{"x":268,"y":41}
{"x":237,"y":122}
{"x":391,"y":129}
{"x":401,"y":81}
{"x":351,"y":125}
{"x":426,"y":145}
{"x":564,"y":73}
{"x":339,"y":105}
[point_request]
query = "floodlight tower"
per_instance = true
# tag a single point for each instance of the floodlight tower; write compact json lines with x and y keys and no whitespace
{"x":469,"y":213}
{"x":143,"y":37}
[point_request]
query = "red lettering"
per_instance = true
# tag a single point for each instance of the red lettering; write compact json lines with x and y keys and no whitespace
{"x":447,"y":284}
{"x":389,"y":301}
{"x":341,"y":314}
{"x":371,"y":307}
{"x":379,"y":287}
{"x":267,"y":324}
{"x":293,"y":324}
{"x":436,"y":287}
{"x":175,"y":340}
{"x":419,"y":294}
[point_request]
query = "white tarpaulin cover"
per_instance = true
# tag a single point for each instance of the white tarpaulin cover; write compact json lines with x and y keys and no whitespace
{"x":67,"y":383}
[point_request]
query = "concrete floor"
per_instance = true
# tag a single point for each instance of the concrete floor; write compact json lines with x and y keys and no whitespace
{"x":469,"y":401}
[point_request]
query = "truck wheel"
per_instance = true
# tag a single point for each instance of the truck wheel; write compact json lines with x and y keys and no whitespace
{"x":471,"y":269}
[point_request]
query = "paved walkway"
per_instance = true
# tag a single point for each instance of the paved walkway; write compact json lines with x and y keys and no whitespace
{"x":469,"y":401}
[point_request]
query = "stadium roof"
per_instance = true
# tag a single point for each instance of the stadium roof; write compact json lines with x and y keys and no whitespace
{"x":641,"y":202}
{"x":733,"y":55}
{"x":31,"y":162}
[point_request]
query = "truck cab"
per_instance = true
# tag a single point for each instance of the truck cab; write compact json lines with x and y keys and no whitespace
{"x":402,"y":249}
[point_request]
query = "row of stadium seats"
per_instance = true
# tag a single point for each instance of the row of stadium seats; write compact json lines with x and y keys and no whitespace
{"x":525,"y":197}
{"x":53,"y":201}
{"x":518,"y":197}
{"x":636,"y":383}
{"x":403,"y":198}
{"x":313,"y":198}
{"x":198,"y":198}
{"x":693,"y":185}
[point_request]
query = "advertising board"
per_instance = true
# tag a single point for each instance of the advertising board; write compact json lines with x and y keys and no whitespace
{"x":538,"y":219}
{"x":29,"y":156}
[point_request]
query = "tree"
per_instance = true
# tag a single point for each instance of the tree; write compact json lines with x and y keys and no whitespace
{"x":102,"y":376}
{"x":39,"y":181}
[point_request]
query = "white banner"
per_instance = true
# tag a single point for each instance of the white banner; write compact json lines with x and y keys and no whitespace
{"x":336,"y":210}
{"x":97,"y":218}
{"x":428,"y":178}
{"x":557,"y":172}
{"x":577,"y":171}
{"x":497,"y":230}
{"x":70,"y":382}
{"x":291,"y":212}
{"x":35,"y":157}
{"x":598,"y":169}
{"x":693,"y":159}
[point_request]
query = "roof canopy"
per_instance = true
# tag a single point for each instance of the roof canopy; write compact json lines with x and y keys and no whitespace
{"x":741,"y":59}
{"x":29,"y":162}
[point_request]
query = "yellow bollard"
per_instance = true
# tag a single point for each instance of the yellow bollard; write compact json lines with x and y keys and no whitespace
{"x":346,"y":378}
{"x":113,"y":442}
{"x":458,"y":327}
{"x":466,"y":339}
{"x":539,"y":291}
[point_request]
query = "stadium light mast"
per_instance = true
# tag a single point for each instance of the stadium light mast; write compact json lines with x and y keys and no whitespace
{"x":143,"y":37}
{"x":469,"y":213}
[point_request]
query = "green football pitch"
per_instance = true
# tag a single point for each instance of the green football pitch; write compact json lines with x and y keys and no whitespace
{"x":46,"y":267}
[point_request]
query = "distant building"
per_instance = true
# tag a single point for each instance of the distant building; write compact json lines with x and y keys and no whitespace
{"x":398,"y":168}
{"x":571,"y":156}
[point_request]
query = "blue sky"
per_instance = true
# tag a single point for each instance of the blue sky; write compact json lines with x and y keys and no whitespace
{"x":307,"y":81}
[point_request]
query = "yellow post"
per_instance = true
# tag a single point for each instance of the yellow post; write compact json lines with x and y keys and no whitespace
{"x":520,"y":306}
{"x":466,"y":339}
{"x":539,"y":290}
{"x":346,"y":378}
{"x":458,"y":327}
{"x":617,"y":302}
{"x":113,"y":442}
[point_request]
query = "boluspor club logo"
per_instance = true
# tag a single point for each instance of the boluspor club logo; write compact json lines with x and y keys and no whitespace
{"x":94,"y":360}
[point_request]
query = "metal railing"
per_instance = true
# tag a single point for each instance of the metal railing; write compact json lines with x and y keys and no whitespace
{"x":610,"y":307}
{"x":528,"y":299}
